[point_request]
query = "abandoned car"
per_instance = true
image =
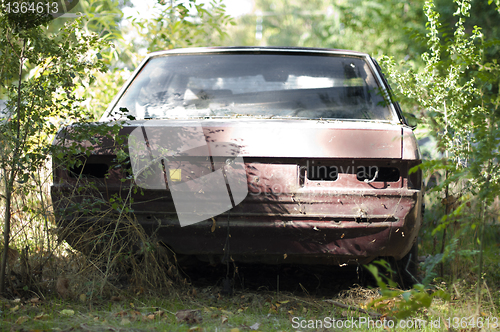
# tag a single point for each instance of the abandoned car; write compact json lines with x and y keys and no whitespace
{"x":293,"y":155}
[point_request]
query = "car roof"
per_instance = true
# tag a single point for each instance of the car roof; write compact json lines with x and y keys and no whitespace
{"x":274,"y":49}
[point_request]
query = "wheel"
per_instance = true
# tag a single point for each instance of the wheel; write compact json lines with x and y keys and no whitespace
{"x":407,"y":269}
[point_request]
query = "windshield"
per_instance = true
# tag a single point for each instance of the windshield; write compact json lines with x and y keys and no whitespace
{"x":255,"y":85}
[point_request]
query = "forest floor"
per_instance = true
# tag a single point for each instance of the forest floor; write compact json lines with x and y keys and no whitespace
{"x":263,"y":298}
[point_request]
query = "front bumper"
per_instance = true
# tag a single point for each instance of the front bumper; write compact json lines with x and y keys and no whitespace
{"x":311,"y":226}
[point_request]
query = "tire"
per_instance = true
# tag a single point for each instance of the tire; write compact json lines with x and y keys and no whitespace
{"x":407,"y":269}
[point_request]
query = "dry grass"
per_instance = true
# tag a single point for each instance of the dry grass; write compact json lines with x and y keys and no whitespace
{"x":114,"y":253}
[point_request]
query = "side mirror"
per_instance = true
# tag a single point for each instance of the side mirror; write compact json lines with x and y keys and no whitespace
{"x":411,"y":120}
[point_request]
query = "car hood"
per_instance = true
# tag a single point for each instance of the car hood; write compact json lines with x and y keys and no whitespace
{"x":275,"y":137}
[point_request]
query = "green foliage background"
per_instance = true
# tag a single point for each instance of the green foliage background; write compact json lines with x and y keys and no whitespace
{"x":441,"y":57}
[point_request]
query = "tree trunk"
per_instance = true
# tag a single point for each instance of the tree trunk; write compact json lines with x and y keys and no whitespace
{"x":12,"y":174}
{"x":6,"y":237}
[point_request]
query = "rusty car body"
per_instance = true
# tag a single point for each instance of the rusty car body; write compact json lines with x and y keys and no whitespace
{"x":325,"y":154}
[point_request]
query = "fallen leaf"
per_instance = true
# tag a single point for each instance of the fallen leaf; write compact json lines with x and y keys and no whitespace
{"x":135,"y":314}
{"x":22,"y":320}
{"x":235,"y":330}
{"x":195,"y":329}
{"x":83,"y":298}
{"x":67,"y":312}
{"x":255,"y":326}
{"x":189,"y":316}
{"x":125,"y":321}
{"x":121,"y":313}
{"x":35,"y":300}
{"x":284,"y":302}
{"x":151,"y":317}
{"x":14,"y":309}
{"x":224,"y":319}
{"x":41,"y":316}
{"x":159,"y":313}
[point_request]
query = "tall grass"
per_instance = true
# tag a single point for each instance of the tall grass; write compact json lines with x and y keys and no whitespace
{"x":97,"y":251}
